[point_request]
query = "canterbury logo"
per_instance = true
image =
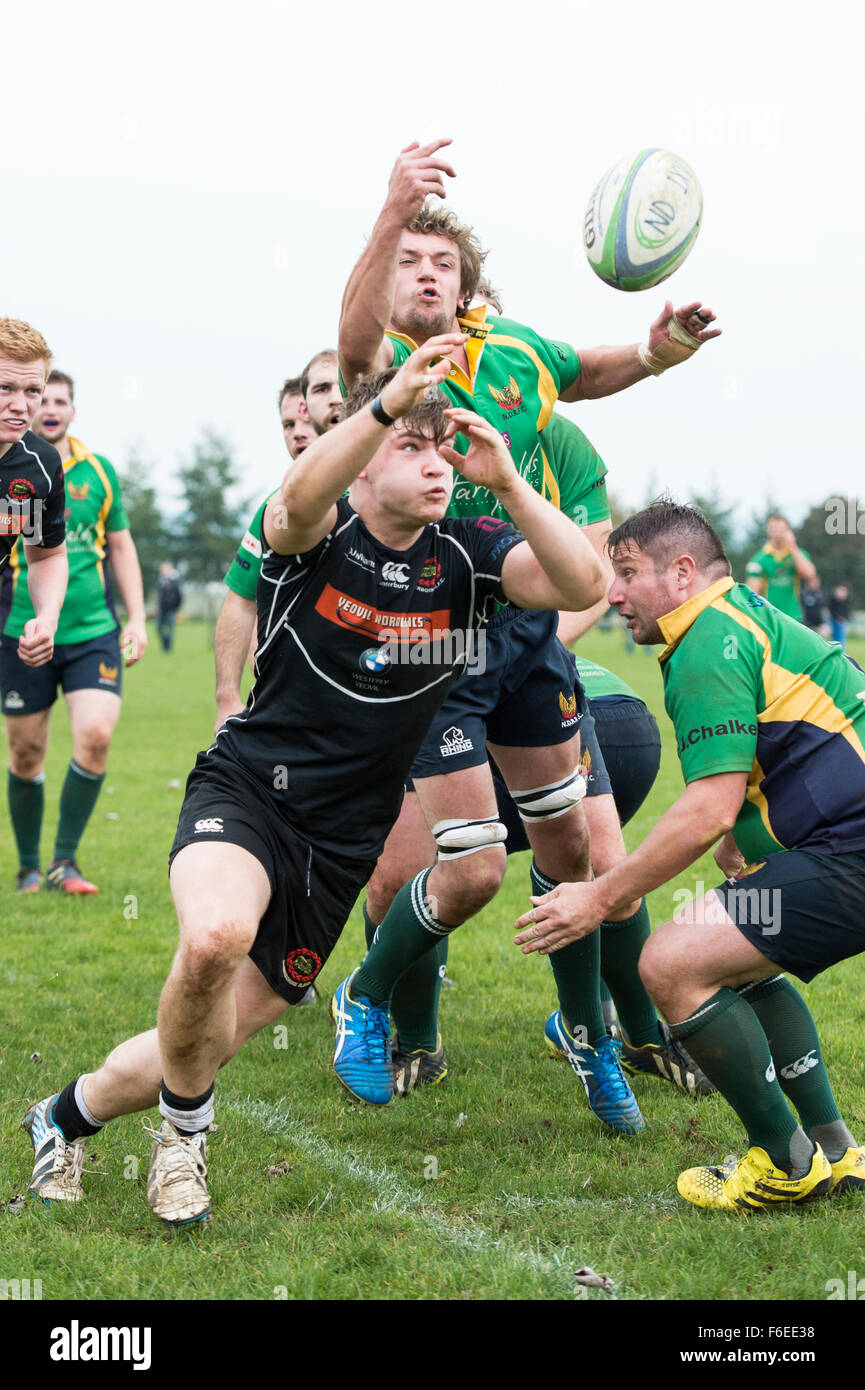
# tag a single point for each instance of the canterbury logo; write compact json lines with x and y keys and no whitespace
{"x":800,"y":1066}
{"x":395,"y":573}
{"x":510,"y":397}
{"x":108,"y":673}
{"x":770,"y":1072}
{"x":209,"y":826}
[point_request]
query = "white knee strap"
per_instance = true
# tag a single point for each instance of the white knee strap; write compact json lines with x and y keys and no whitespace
{"x":457,"y":838}
{"x":546,"y":803}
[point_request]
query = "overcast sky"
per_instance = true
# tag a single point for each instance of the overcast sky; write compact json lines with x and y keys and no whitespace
{"x":188,"y":185}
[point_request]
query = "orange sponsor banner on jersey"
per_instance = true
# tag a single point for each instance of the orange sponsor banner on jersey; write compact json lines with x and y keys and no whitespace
{"x":11,"y":523}
{"x":348,"y":612}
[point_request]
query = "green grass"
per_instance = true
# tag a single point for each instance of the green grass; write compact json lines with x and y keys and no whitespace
{"x":528,"y":1187}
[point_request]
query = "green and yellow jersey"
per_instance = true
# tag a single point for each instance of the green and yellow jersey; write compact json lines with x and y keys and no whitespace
{"x":515,"y":378}
{"x":94,"y":509}
{"x":579,"y":471}
{"x":243,"y":572}
{"x":751,"y":690}
{"x":782,"y":581}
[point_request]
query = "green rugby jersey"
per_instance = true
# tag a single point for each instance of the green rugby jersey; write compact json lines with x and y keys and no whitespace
{"x":243,"y":572}
{"x":782,"y":581}
{"x":751,"y":690}
{"x":579,"y":471}
{"x":597,"y":681}
{"x":515,"y":378}
{"x":94,"y":509}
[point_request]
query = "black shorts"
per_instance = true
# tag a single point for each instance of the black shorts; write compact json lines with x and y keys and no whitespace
{"x":91,"y":665}
{"x":630,"y":741}
{"x":620,"y":754}
{"x":803,"y":909}
{"x":523,"y":694}
{"x":312,"y":890}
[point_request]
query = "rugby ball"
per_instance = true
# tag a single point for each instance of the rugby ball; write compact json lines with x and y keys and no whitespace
{"x":642,"y":219}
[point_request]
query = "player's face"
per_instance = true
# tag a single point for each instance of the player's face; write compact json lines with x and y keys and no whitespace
{"x":777,"y":531}
{"x":641,"y":593}
{"x":56,"y":412}
{"x":296,"y":425}
{"x":323,"y":400}
{"x":409,"y":479}
{"x":21,"y":387}
{"x":427,"y":286}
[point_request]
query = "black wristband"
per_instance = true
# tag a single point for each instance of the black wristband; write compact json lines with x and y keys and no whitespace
{"x":379,"y":413}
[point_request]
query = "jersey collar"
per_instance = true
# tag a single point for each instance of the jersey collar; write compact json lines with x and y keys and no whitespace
{"x":79,"y":454}
{"x":473,"y":322}
{"x":674,"y":625}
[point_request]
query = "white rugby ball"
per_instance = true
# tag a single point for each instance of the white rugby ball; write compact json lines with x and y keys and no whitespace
{"x":642,"y":219}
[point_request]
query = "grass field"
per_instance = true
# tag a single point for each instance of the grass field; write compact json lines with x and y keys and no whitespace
{"x":498,"y":1184}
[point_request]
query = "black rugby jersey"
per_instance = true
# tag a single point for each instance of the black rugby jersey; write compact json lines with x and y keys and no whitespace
{"x":32,"y":496}
{"x":358,"y":647}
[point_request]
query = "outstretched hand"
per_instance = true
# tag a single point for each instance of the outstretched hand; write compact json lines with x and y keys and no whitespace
{"x":428,"y":366}
{"x":487,"y":462}
{"x":417,"y":174}
{"x":557,"y":918}
{"x":693,"y":318}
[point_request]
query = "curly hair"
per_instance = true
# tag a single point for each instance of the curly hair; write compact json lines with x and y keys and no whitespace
{"x":435,"y":220}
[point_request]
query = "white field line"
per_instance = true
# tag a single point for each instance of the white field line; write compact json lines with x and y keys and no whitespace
{"x":390,"y":1192}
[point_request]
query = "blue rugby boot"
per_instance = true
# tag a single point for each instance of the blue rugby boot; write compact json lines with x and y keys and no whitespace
{"x":600,"y":1071}
{"x":361,"y":1057}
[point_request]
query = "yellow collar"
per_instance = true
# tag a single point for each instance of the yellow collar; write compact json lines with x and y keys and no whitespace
{"x":79,"y":454}
{"x":473,"y":322}
{"x":675,"y":624}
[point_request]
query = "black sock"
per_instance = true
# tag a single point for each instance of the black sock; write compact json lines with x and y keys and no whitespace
{"x":68,"y":1117}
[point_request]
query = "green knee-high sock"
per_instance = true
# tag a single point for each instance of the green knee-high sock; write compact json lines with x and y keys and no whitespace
{"x":409,"y":931}
{"x":621,"y":945}
{"x":80,"y":794}
{"x":26,"y":804}
{"x":577,"y":973}
{"x":415,"y":1000}
{"x":725,"y":1037}
{"x":786,"y":1020}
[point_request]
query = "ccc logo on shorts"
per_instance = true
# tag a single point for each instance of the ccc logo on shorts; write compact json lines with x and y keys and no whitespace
{"x":210,"y":825}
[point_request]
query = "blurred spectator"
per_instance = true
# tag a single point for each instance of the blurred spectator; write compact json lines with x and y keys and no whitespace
{"x":169,"y":599}
{"x":779,"y":569}
{"x":839,"y":612}
{"x":813,"y":602}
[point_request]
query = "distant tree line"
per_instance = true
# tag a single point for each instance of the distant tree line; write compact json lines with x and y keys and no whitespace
{"x":200,"y":538}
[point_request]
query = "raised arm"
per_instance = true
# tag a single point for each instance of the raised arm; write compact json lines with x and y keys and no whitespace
{"x":673,"y":338}
{"x":558,"y":567}
{"x":304,"y":510}
{"x":368,"y":298}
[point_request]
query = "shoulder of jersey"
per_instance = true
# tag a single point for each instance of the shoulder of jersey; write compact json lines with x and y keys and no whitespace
{"x":35,"y":444}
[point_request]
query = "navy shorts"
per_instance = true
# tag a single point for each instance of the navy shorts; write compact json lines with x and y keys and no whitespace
{"x":620,"y":754}
{"x":630,"y":741}
{"x":312,"y":890}
{"x":91,"y":665}
{"x":525,"y":696}
{"x":804,"y":909}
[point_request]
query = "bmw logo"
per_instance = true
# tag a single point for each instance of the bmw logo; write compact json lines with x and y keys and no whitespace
{"x":375,"y":659}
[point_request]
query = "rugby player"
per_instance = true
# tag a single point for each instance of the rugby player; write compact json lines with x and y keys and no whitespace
{"x":285,"y":814}
{"x":234,"y":634}
{"x":770,"y":730}
{"x":779,"y":568}
{"x":86,"y":663}
{"x":32,"y":494}
{"x":418,"y":273}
